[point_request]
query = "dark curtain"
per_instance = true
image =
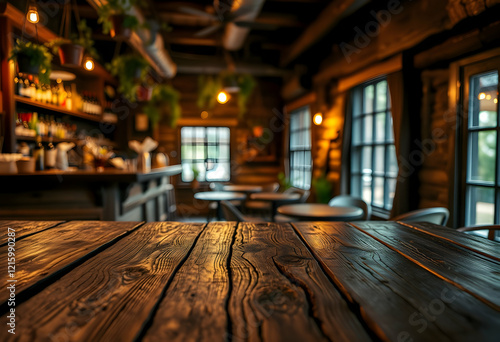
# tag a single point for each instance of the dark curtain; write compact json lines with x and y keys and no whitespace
{"x":345,"y":172}
{"x":406,"y":130}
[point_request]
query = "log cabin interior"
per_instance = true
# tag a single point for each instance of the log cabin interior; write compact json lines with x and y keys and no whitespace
{"x":275,"y":170}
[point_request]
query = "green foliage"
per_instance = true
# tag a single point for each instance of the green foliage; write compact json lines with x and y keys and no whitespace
{"x":131,"y":71}
{"x":117,"y":7}
{"x":323,"y":189}
{"x":246,"y":83}
{"x":164,"y":103}
{"x":208,"y":88}
{"x":285,"y":182}
{"x":196,"y":172}
{"x":82,"y":38}
{"x":37,"y":55}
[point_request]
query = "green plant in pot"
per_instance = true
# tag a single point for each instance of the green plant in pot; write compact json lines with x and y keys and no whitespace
{"x":285,"y":182}
{"x":131,"y":71}
{"x":195,"y":183}
{"x":322,"y":188}
{"x":115,"y":20}
{"x":164,"y":105}
{"x":32,"y":59}
{"x":72,"y":49}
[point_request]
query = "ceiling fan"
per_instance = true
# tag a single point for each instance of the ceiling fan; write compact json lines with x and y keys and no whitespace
{"x":229,"y":11}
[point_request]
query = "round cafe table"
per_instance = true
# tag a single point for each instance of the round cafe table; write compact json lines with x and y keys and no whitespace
{"x":242,"y":188}
{"x":218,"y":196}
{"x":275,"y":198}
{"x":320,"y":212}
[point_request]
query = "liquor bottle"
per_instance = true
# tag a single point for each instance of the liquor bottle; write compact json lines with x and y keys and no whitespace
{"x":50,"y":154}
{"x":39,"y":154}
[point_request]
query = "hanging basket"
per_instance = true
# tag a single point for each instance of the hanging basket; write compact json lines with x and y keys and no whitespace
{"x":24,"y":65}
{"x":71,"y":55}
{"x":118,"y":31}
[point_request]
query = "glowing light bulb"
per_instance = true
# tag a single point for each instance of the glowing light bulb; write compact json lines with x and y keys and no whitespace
{"x":222,"y":97}
{"x":495,"y":100}
{"x":88,"y":64}
{"x":318,"y":118}
{"x":481,"y":96}
{"x":488,"y":97}
{"x":32,"y":15}
{"x":204,"y":114}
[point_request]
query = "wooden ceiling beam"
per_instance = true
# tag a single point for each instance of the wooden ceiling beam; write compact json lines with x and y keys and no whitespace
{"x":180,"y":40}
{"x":327,"y":19}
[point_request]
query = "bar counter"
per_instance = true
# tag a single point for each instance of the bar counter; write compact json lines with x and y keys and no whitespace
{"x":110,"y":194}
{"x":222,"y":281}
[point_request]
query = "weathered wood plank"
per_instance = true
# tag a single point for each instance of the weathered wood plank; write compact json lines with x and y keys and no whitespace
{"x":194,"y":306}
{"x":472,"y":272}
{"x":280,"y":292}
{"x":42,"y":256}
{"x":397,"y":298}
{"x":488,"y":248}
{"x":24,"y":228}
{"x":110,"y":296}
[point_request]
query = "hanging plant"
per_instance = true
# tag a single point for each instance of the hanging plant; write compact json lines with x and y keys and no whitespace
{"x":164,"y":104}
{"x":246,"y":84}
{"x":115,"y":20}
{"x":32,"y":59}
{"x":131,"y":71}
{"x":208,"y":88}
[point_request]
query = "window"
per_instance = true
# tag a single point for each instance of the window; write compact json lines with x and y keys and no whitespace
{"x":373,"y":157}
{"x":205,"y":149}
{"x":300,"y":148}
{"x":481,"y":131}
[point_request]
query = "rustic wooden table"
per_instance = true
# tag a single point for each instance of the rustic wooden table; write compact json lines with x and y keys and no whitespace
{"x":319,"y":281}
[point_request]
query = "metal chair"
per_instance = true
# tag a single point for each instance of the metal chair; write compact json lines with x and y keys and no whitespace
{"x":350,"y":201}
{"x":438,"y":215}
{"x":231,"y":213}
{"x":490,"y":228}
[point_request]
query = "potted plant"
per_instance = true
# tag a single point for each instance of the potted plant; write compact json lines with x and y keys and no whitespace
{"x":131,"y":71}
{"x":115,"y":20}
{"x":71,"y":50}
{"x":285,"y":182}
{"x":164,"y":104}
{"x":208,"y":87}
{"x":322,"y":188}
{"x":32,"y":59}
{"x":195,"y":184}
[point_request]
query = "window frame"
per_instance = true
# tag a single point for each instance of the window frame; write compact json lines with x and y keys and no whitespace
{"x":205,"y":143}
{"x":302,"y":168}
{"x":358,"y":145}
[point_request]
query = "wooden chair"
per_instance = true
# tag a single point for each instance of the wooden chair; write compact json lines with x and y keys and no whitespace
{"x":438,"y":215}
{"x":350,"y":201}
{"x":261,"y":206}
{"x":231,"y":213}
{"x":491,"y":230}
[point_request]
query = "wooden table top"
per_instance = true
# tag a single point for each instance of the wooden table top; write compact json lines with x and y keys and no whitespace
{"x":305,"y":281}
{"x":275,"y":196}
{"x":320,"y":212}
{"x":219,"y":196}
{"x":242,"y":188}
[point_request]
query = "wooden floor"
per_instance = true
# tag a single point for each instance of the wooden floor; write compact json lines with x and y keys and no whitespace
{"x":329,"y":281}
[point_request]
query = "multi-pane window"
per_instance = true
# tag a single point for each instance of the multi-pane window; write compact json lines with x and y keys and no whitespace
{"x":482,"y":185}
{"x":205,"y":150}
{"x":300,"y":148}
{"x":374,"y":167}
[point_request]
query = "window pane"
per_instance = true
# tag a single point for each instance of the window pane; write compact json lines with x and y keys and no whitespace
{"x":300,"y":148}
{"x":379,"y":159}
{"x":378,"y":191}
{"x":357,"y":133}
{"x":392,"y":162}
{"x":367,"y":188}
{"x":368,"y":99}
{"x":482,"y":100}
{"x":381,"y":96}
{"x":380,"y":127}
{"x":367,"y":160}
{"x":482,"y":156}
{"x":481,"y":207}
{"x":391,"y":191}
{"x":356,"y":160}
{"x":368,"y":128}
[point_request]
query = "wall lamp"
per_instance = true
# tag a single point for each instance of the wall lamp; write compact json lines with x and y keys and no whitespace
{"x":32,"y":14}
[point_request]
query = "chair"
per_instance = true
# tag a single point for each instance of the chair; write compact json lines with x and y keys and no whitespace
{"x":261,"y":205}
{"x":491,"y":230}
{"x":438,"y":215}
{"x":350,"y":201}
{"x":304,"y":195}
{"x":231,"y":213}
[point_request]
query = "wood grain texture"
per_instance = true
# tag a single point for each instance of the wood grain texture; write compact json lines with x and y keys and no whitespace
{"x":478,"y":244}
{"x":397,"y":298}
{"x":194,"y":306}
{"x":43,"y":255}
{"x":280,"y":292}
{"x":462,"y":267}
{"x":24,"y":228}
{"x":110,"y":296}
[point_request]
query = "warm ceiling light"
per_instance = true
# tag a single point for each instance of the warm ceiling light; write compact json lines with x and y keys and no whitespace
{"x":222,"y":97}
{"x":488,"y":97}
{"x":318,"y":118}
{"x":32,"y":15}
{"x":481,"y":96}
{"x":495,"y":100}
{"x":88,"y":64}
{"x":204,"y":114}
